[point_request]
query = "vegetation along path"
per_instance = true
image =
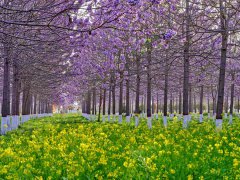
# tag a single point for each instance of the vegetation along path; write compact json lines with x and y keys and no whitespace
{"x":69,"y":146}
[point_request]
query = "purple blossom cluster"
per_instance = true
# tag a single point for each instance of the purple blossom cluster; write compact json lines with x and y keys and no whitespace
{"x":133,"y":2}
{"x":169,"y":34}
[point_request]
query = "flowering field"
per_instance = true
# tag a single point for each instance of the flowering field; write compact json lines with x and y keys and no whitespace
{"x":69,"y":147}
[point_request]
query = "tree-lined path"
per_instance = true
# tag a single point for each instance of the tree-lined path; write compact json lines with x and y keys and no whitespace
{"x":143,"y":66}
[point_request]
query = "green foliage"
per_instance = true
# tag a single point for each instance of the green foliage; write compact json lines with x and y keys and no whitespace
{"x":70,"y":147}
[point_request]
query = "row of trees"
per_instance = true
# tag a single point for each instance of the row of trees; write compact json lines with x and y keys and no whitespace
{"x":129,"y":53}
{"x":33,"y":51}
{"x":163,"y":51}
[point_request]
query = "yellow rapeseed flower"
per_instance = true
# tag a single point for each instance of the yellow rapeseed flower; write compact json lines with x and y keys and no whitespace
{"x":190,"y":166}
{"x":190,"y":177}
{"x":172,"y":171}
{"x":103,"y":160}
{"x":235,"y":163}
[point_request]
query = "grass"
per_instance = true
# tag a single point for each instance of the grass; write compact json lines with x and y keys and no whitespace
{"x":70,"y":147}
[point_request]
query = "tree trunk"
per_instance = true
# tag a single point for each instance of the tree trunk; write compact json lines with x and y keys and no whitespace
{"x":149,"y":81}
{"x":226,"y":104}
{"x":100,"y":105}
{"x":26,"y":100}
{"x":201,"y":100}
{"x":153,"y":109}
{"x":165,"y":92}
{"x":171,"y":104}
{"x":238,"y":105}
{"x":195,"y":103}
{"x":109,"y":100}
{"x":214,"y":105}
{"x":180,"y":102}
{"x":208,"y":105}
{"x":88,"y":102}
{"x":232,"y":95}
{"x":127,"y":98}
{"x":35,"y":105}
{"x":94,"y":108}
{"x":6,"y":81}
{"x":95,"y":104}
{"x":145,"y":104}
{"x":137,"y":109}
{"x":190,"y":99}
{"x":15,"y":90}
{"x":186,"y":62}
{"x":104,"y":101}
{"x":114,"y":100}
{"x":221,"y":81}
{"x":39,"y":107}
{"x":121,"y":94}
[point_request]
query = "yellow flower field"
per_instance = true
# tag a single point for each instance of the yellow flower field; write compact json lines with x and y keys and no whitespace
{"x":69,"y":147}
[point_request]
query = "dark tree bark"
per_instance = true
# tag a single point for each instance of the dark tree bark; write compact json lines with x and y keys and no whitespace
{"x":121,"y":94}
{"x":39,"y":106}
{"x":113,"y":96}
{"x":232,"y":95}
{"x":127,"y":98}
{"x":6,"y":80}
{"x":113,"y":101}
{"x":83,"y":105}
{"x":137,"y":108}
{"x":104,"y":101}
{"x":186,"y":63}
{"x":176,"y":104}
{"x":94,"y":102}
{"x":153,"y":109}
{"x":157,"y":104}
{"x":221,"y":81}
{"x":195,"y":103}
{"x":100,"y":105}
{"x":35,"y":104}
{"x":160,"y":105}
{"x":180,"y":102}
{"x":26,"y":103}
{"x":165,"y":92}
{"x":226,"y":104}
{"x":208,"y":105}
{"x":201,"y":100}
{"x":149,"y":80}
{"x":132,"y":109}
{"x":15,"y":89}
{"x":144,"y":106}
{"x":109,"y":100}
{"x":88,"y":110}
{"x":127,"y":90}
{"x":214,"y":105}
{"x":171,"y":104}
{"x":238,"y":105}
{"x":190,"y":99}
